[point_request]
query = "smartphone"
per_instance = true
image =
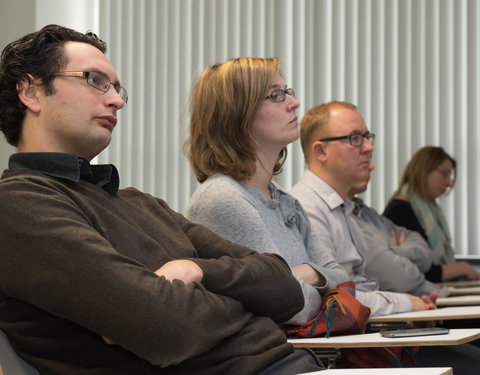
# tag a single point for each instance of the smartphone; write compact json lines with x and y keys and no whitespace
{"x":415,"y":332}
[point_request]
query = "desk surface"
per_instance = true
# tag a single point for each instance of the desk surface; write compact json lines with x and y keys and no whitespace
{"x":386,"y":371}
{"x":444,"y":313}
{"x":463,"y":291}
{"x":459,"y":300}
{"x":371,"y":340}
{"x":460,"y":284}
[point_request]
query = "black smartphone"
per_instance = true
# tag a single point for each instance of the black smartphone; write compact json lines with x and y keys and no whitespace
{"x":415,"y":332}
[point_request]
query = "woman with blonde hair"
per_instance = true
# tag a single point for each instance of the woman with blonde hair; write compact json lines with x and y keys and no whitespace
{"x":242,"y":117}
{"x":430,"y":173}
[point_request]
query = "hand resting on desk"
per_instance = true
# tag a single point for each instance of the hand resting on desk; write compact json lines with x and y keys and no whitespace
{"x":423,"y":303}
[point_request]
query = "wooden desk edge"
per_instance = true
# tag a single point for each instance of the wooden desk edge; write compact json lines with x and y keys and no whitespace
{"x":410,"y":370}
{"x":381,"y":319}
{"x":379,"y":344}
{"x":457,"y":303}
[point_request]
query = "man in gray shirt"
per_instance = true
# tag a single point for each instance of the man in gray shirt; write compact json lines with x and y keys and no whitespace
{"x":338,"y":149}
{"x":397,"y":257}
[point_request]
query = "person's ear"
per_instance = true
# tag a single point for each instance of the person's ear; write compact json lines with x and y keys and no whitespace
{"x":27,"y":91}
{"x":318,"y":150}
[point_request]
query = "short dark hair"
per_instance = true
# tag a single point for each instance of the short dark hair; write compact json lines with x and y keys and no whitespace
{"x":37,"y":55}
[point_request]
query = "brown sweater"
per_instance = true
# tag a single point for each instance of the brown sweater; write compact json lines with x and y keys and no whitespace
{"x":78,"y":263}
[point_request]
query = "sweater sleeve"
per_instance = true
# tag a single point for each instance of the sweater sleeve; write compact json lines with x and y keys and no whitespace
{"x":55,"y":258}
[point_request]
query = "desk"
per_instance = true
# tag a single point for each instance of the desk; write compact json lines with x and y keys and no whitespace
{"x":373,"y":340}
{"x":464,"y":291}
{"x":444,"y":313}
{"x":386,"y":371}
{"x":459,"y":301}
{"x":460,"y":284}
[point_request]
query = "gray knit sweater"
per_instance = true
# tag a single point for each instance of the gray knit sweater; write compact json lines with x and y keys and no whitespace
{"x":242,"y":214}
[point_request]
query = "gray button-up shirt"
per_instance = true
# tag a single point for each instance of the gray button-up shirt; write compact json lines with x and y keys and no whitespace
{"x":335,"y":229}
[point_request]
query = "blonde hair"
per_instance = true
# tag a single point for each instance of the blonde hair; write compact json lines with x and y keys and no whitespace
{"x":415,"y":174}
{"x":223,"y":103}
{"x":314,"y":123}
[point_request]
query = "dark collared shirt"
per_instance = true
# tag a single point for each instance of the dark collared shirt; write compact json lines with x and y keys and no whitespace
{"x":69,"y":167}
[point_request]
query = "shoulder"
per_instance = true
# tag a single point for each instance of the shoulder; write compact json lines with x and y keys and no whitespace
{"x":31,"y":185}
{"x":400,"y":212}
{"x":400,"y":203}
{"x":218,"y":195}
{"x":218,"y":189}
{"x":303,"y":186}
{"x":27,"y":178}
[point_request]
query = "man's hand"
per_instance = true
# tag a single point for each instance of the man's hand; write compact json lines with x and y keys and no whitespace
{"x":420,"y":304}
{"x":308,"y":274}
{"x":431,"y":300}
{"x":181,"y":269}
{"x":459,"y":269}
{"x":469,"y":272}
{"x":397,"y":239}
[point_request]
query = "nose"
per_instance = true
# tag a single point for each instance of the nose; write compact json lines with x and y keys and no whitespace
{"x":293,"y":103}
{"x":367,"y":145}
{"x":113,"y":98}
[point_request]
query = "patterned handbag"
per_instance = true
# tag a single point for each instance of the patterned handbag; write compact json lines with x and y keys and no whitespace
{"x":340,"y":314}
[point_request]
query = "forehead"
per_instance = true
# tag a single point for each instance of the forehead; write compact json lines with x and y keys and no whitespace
{"x":345,"y":120}
{"x":83,"y":57}
{"x":278,"y":82}
{"x":446,"y":165}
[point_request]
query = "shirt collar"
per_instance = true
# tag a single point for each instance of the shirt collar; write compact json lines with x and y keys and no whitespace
{"x":325,"y":191}
{"x":69,"y":167}
{"x":358,"y":206}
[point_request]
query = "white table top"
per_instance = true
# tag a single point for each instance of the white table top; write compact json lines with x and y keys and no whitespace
{"x":460,"y":284}
{"x":463,"y":291}
{"x":386,"y":371}
{"x":369,"y":340}
{"x":444,"y":313}
{"x":459,"y":300}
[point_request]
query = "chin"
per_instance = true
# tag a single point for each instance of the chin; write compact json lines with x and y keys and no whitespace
{"x":101,"y":144}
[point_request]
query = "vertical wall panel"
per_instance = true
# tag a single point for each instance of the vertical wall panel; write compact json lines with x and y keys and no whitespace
{"x":411,"y":66}
{"x":473,"y":104}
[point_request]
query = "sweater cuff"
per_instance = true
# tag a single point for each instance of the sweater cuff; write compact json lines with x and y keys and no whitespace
{"x":327,"y":285}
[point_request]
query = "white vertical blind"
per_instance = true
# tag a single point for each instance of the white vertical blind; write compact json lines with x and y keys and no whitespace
{"x":412,"y":67}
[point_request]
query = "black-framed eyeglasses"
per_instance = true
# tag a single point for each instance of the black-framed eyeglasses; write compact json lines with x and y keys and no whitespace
{"x":354,"y":139}
{"x":279,"y":96}
{"x":97,"y":80}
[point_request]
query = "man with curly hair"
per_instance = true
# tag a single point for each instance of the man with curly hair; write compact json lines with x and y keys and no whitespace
{"x":100,"y":280}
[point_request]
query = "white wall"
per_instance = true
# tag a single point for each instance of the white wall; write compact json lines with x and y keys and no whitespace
{"x":17,"y":18}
